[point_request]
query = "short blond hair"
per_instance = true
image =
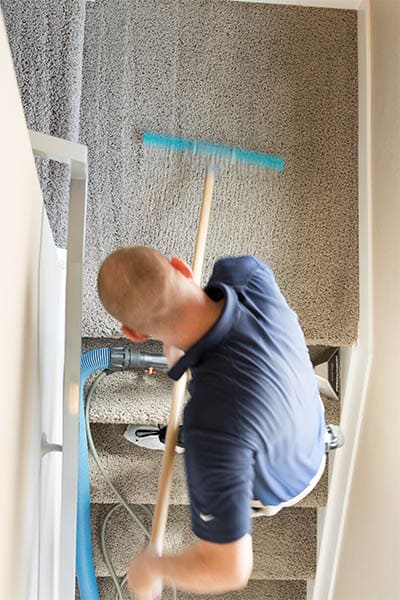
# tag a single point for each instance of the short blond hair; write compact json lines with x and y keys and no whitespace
{"x":134,"y":286}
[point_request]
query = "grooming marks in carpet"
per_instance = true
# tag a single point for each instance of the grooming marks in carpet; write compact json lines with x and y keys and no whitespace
{"x":280,"y":80}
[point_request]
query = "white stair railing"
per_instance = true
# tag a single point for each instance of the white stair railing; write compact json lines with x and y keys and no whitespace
{"x":74,"y":155}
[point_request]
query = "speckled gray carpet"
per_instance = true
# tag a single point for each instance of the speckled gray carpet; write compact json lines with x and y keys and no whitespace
{"x":46,"y":41}
{"x":276,"y":79}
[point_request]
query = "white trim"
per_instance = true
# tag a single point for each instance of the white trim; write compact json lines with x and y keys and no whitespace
{"x":64,"y":151}
{"x":310,"y":589}
{"x":338,"y":4}
{"x":355,"y":391}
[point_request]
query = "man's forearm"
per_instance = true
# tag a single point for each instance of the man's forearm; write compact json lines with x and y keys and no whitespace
{"x":192,"y":571}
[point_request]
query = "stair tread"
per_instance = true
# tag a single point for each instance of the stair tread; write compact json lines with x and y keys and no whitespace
{"x":284,"y":545}
{"x":132,"y":397}
{"x":255,"y":590}
{"x":132,"y":470}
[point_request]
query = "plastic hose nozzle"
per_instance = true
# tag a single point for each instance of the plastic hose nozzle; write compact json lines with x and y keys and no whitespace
{"x":123,"y":358}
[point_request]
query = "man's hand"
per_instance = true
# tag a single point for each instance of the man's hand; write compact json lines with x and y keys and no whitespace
{"x":144,"y":581}
{"x":204,"y":568}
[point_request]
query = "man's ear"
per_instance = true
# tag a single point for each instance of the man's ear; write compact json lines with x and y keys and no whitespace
{"x":181,"y":266}
{"x":134,"y":335}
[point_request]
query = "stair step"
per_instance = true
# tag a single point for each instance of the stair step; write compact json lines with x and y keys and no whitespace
{"x":134,"y":397}
{"x":135,"y":471}
{"x":90,"y":343}
{"x":256,"y":590}
{"x":284,"y":545}
{"x":131,"y":396}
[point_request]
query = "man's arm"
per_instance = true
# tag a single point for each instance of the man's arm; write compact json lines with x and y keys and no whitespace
{"x":204,"y":568}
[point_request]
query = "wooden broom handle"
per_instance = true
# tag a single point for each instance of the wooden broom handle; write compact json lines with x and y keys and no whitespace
{"x":200,"y":245}
{"x":178,"y":395}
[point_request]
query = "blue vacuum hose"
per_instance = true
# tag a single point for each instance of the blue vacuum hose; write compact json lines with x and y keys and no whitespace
{"x":113,"y":359}
{"x":92,"y":361}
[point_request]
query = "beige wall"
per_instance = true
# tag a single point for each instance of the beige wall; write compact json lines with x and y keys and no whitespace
{"x":20,"y":230}
{"x":369,"y":567}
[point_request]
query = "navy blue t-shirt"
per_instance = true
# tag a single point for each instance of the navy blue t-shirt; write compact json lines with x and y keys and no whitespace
{"x":254,"y":426}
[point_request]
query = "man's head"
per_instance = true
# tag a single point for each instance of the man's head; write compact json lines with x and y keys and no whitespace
{"x":142,"y":289}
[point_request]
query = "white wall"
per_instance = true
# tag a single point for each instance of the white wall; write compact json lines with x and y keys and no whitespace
{"x":20,"y":233}
{"x":368,"y":567}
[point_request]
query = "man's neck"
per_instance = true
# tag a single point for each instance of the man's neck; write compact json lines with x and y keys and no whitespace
{"x":195,"y":319}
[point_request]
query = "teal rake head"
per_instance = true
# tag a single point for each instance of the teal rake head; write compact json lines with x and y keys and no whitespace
{"x":214,"y":151}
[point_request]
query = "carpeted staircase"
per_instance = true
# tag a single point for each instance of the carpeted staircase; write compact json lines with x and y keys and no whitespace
{"x":284,"y":545}
{"x":276,"y":79}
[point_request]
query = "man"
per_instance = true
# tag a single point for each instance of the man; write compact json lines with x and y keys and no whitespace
{"x":254,"y":428}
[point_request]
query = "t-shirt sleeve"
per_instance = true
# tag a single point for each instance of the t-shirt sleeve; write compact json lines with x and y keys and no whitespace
{"x":220,"y":482}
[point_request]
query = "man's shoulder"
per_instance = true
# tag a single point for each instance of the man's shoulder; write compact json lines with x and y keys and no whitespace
{"x":237,"y":270}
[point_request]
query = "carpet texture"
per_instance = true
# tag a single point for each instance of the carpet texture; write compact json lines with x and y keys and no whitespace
{"x":276,"y":79}
{"x":256,"y":590}
{"x":134,"y":397}
{"x":284,"y":545}
{"x":46,"y":40}
{"x":131,"y":469}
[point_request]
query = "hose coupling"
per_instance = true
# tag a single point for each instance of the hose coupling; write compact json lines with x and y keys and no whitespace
{"x":123,"y":358}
